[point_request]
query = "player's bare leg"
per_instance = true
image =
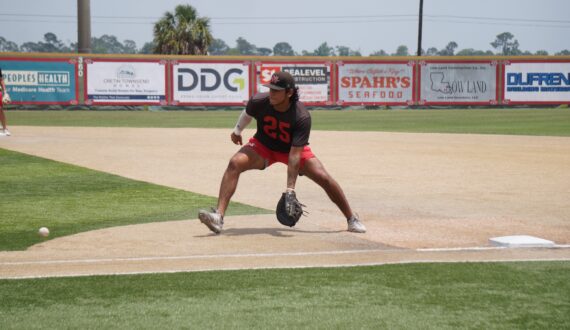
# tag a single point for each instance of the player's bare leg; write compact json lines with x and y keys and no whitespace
{"x":243,"y":160}
{"x":2,"y":117}
{"x":315,"y":171}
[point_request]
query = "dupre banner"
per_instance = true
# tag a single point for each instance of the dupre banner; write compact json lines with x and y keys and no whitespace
{"x":375,"y":83}
{"x":41,"y":81}
{"x":533,"y":82}
{"x":458,"y":82}
{"x":312,"y":78}
{"x":128,"y":82}
{"x":210,"y":83}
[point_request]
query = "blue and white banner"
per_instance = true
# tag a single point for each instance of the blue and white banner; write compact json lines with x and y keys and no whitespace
{"x":537,"y":82}
{"x":128,"y":82}
{"x":210,"y":83}
{"x":40,"y":81}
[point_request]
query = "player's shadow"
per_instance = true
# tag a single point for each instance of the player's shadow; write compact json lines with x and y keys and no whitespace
{"x":275,"y":232}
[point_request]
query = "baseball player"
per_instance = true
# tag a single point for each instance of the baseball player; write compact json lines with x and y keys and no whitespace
{"x":3,"y":94}
{"x":283,"y":128}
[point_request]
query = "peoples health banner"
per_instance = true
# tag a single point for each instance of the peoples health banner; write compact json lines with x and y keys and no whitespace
{"x":210,"y":83}
{"x":527,"y":82}
{"x":126,"y":82}
{"x":312,"y":78}
{"x":463,"y":82}
{"x":45,"y":81}
{"x":375,"y":83}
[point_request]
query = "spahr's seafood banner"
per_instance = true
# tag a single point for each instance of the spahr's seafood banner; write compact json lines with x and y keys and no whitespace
{"x":210,"y":83}
{"x":41,"y":81}
{"x":458,"y":82}
{"x":536,"y":82}
{"x":375,"y":83}
{"x":125,"y":82}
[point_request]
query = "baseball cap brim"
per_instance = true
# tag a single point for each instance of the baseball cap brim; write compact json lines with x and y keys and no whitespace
{"x":271,"y":86}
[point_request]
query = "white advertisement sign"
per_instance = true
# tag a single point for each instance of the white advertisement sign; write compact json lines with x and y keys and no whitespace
{"x":210,"y":83}
{"x":463,"y":83}
{"x":527,"y":82}
{"x":375,"y":83}
{"x":313,"y":79}
{"x":125,"y":82}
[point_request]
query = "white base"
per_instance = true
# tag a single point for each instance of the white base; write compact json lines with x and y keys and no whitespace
{"x":521,"y":241}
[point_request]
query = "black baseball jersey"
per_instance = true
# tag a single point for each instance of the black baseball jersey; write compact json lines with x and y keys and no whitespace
{"x":279,"y":131}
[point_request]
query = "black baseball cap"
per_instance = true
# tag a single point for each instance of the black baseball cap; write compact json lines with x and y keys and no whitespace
{"x":281,"y":80}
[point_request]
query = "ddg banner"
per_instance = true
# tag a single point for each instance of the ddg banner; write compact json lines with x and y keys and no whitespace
{"x":210,"y":83}
{"x":374,"y":83}
{"x":46,"y":81}
{"x":125,"y":82}
{"x":537,"y":82}
{"x":458,"y":83}
{"x":312,"y":78}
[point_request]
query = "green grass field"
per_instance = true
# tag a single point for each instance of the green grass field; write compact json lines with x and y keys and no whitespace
{"x":532,"y":295}
{"x":554,"y":122}
{"x":34,"y":191}
{"x":69,"y":199}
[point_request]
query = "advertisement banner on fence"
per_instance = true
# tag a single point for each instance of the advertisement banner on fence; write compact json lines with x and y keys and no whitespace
{"x":125,"y":82}
{"x":375,"y":83}
{"x":210,"y":83}
{"x":313,"y":79}
{"x":46,"y":81}
{"x":537,"y":82}
{"x":458,"y":83}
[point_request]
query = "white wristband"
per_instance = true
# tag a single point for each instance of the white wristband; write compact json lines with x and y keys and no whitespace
{"x":243,"y":121}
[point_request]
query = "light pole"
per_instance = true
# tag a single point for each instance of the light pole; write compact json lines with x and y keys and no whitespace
{"x":420,"y":27}
{"x":83,"y":26}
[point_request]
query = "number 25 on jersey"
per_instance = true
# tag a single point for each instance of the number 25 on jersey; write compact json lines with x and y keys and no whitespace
{"x":276,"y":129}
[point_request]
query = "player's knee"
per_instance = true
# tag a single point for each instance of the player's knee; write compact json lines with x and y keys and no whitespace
{"x":323,"y":179}
{"x":235,"y":165}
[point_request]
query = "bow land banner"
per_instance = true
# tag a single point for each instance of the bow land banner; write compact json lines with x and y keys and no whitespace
{"x":463,"y":83}
{"x":128,"y":82}
{"x":535,"y":82}
{"x":375,"y":83}
{"x":312,"y":78}
{"x":210,"y":83}
{"x":40,"y":80}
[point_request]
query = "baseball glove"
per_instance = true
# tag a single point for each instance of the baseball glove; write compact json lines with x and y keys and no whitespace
{"x":289,"y":209}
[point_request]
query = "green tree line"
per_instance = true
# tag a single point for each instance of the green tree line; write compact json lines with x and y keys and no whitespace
{"x":184,"y":32}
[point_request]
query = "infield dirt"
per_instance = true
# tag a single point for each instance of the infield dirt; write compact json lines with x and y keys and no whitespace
{"x":416,"y":193}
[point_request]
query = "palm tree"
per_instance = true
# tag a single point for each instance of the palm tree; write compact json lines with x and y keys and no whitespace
{"x":182,"y":33}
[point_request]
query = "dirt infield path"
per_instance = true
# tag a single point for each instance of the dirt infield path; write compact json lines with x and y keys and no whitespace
{"x":423,"y":197}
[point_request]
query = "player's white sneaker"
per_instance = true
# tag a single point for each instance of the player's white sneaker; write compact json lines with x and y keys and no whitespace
{"x":214,"y":220}
{"x":7,"y":132}
{"x":355,"y":226}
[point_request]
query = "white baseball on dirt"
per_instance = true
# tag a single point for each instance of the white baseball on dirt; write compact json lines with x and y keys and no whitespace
{"x":44,"y":232}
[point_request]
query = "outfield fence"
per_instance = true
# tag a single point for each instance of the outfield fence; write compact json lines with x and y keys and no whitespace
{"x":99,"y":81}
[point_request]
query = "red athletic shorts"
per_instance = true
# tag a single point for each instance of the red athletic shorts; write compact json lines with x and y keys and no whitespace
{"x":275,"y":156}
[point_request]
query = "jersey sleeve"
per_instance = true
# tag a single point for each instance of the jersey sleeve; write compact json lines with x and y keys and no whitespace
{"x":302,"y":132}
{"x":250,"y":108}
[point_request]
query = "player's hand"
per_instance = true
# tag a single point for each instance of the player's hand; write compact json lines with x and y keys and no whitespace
{"x":236,"y":139}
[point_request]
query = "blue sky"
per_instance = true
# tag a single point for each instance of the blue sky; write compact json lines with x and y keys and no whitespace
{"x":365,"y":25}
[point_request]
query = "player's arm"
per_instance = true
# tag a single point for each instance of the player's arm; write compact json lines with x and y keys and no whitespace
{"x":293,"y":166}
{"x":243,"y":120}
